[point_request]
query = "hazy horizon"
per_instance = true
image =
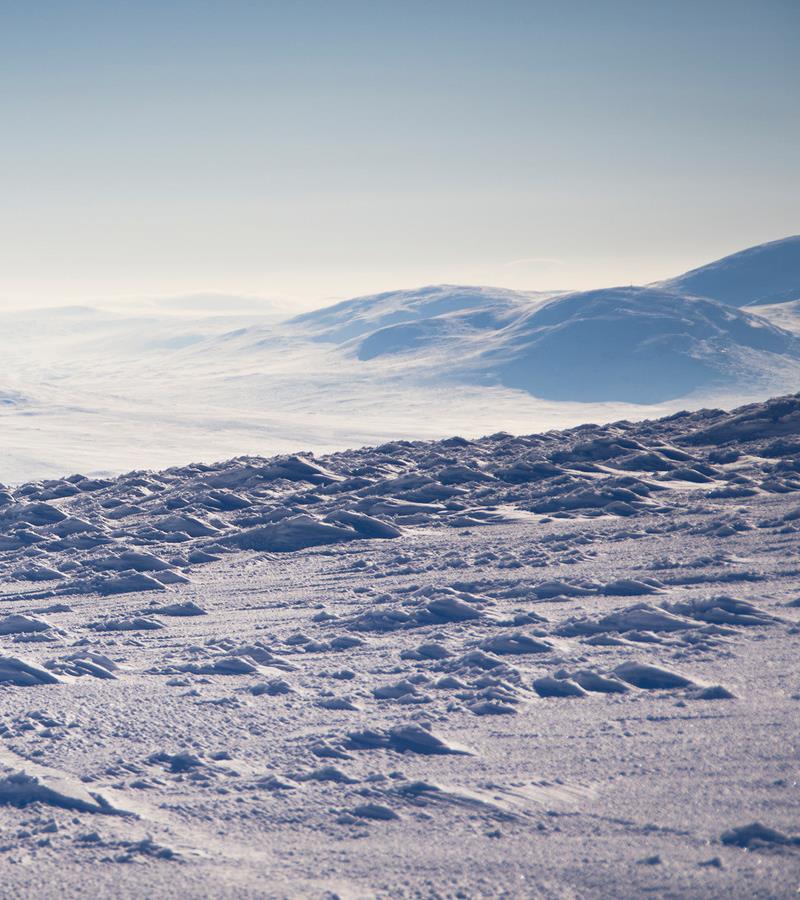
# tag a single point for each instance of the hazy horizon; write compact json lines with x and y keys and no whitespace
{"x":192,"y":301}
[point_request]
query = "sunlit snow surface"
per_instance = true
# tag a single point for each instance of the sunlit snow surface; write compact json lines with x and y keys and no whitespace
{"x":552,"y":665}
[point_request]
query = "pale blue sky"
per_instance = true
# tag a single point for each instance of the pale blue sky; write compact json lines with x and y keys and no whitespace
{"x":318,"y":150}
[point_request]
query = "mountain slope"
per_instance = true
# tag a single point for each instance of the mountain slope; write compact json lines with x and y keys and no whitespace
{"x":784,"y":315}
{"x":767,"y":273}
{"x":638,"y":345}
{"x":635,"y":344}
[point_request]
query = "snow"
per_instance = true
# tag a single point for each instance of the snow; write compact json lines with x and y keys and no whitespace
{"x":494,"y":594}
{"x":765,"y":274}
{"x":367,"y":315}
{"x":635,"y":345}
{"x":21,"y":789}
{"x":507,"y":666}
{"x":102,"y":391}
{"x":631,"y":345}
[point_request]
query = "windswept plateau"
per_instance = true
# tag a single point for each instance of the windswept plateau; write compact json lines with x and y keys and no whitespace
{"x":561,"y":664}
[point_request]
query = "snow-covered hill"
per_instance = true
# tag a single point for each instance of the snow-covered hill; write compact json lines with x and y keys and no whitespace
{"x":637,"y":345}
{"x":767,"y":273}
{"x":364,"y":315}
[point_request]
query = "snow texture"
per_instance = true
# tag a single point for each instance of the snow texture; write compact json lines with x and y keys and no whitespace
{"x":557,"y":664}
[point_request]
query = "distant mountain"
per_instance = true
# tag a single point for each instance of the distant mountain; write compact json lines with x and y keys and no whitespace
{"x":363,"y":315}
{"x":643,"y":345}
{"x":635,"y":344}
{"x":122,"y":387}
{"x":638,"y":345}
{"x":768,"y":273}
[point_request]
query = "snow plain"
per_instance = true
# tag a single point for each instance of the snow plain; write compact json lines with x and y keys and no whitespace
{"x":558,"y":665}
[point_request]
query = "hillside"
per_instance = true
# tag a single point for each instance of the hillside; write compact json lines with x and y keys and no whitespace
{"x":636,"y":345}
{"x":362,"y":315}
{"x":767,"y":273}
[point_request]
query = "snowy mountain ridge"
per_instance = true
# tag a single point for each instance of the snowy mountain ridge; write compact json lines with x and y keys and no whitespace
{"x":631,"y":344}
{"x":764,"y":274}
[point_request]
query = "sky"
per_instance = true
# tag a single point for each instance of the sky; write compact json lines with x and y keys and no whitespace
{"x":310,"y":151}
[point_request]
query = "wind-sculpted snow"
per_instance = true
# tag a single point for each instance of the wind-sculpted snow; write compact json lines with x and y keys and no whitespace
{"x":365,"y":315}
{"x":510,"y":666}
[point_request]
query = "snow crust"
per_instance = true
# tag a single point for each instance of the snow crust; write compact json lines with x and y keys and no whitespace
{"x":554,"y":664}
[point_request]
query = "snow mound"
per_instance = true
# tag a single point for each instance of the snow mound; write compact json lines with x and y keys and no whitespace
{"x":642,"y":616}
{"x":24,"y":674}
{"x":293,"y":533}
{"x":757,"y":835}
{"x":20,"y":789}
{"x":21,"y":624}
{"x":651,"y":678}
{"x":638,"y":345}
{"x":412,"y":738}
{"x":557,"y":687}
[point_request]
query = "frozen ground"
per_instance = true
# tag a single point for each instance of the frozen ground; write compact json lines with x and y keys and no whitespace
{"x":557,"y":665}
